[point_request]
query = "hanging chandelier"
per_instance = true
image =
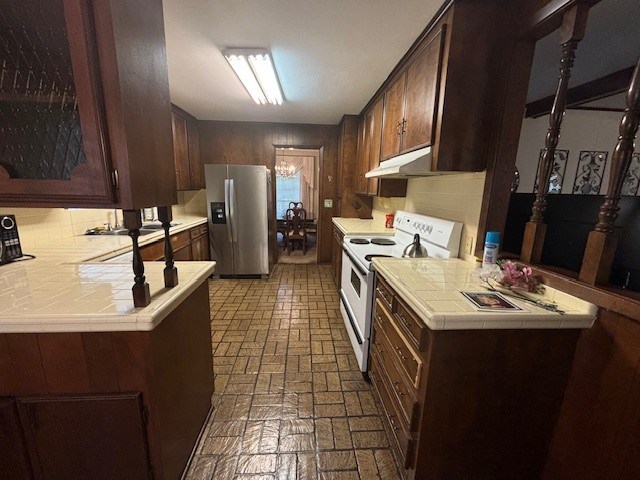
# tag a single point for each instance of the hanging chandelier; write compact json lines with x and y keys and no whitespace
{"x":284,"y":169}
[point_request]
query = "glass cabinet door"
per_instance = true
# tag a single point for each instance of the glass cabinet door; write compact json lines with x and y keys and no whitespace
{"x":53,"y":147}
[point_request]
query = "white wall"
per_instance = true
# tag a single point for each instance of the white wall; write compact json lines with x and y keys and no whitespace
{"x":581,"y":130}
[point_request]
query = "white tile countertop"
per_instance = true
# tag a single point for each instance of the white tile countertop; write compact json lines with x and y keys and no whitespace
{"x":66,"y":289}
{"x":358,"y":226}
{"x":432,"y":288}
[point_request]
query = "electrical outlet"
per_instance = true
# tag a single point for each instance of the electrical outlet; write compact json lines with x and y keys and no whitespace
{"x":468,"y":245}
{"x":328,"y":203}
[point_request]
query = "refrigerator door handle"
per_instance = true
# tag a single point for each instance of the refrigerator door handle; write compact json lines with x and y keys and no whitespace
{"x":227,"y":208}
{"x":232,"y":191}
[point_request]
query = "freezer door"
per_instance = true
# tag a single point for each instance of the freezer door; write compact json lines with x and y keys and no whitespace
{"x":248,"y":211}
{"x":220,"y":228}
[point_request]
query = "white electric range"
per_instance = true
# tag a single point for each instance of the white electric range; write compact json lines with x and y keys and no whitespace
{"x":440,"y":237}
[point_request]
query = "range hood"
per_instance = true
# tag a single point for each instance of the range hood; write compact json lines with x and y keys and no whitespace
{"x":411,"y":164}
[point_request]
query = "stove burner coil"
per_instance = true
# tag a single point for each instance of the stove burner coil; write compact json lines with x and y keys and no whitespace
{"x":359,"y":241}
{"x":382,"y":241}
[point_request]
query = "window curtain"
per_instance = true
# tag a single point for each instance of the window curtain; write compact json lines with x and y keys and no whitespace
{"x":308,"y":180}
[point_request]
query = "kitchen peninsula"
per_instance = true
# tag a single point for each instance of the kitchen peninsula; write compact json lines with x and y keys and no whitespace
{"x":476,"y":392}
{"x":137,"y":382}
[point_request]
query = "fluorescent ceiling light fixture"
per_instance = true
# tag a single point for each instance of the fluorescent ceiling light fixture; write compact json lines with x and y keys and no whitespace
{"x":254,"y":67}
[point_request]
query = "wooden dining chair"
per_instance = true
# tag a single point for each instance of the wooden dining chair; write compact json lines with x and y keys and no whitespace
{"x":296,"y":228}
{"x":296,"y":205}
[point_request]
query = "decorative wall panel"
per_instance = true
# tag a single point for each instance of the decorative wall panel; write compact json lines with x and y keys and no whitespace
{"x":591,"y":165}
{"x":632,"y":180}
{"x":557,"y":171}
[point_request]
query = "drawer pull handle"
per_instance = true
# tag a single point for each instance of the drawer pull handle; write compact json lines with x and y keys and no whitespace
{"x":399,"y":350}
{"x":384,"y":295}
{"x":396,"y":387}
{"x":404,"y":320}
{"x":393,"y":423}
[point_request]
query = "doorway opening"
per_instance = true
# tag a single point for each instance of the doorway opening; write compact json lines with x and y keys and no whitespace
{"x":297,"y":172}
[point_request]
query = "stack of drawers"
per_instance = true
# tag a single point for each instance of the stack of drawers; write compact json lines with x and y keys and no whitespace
{"x":466,"y":404}
{"x":398,"y":367}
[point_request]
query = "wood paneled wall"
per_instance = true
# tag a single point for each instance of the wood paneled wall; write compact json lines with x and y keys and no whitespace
{"x":597,"y":436}
{"x":250,"y":143}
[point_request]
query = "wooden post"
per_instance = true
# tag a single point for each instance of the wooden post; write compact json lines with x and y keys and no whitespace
{"x":571,"y":32}
{"x":133,"y":222}
{"x":170,"y":271}
{"x":603,"y":240}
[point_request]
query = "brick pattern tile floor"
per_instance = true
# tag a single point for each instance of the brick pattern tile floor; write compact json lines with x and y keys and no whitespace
{"x":290,"y":402}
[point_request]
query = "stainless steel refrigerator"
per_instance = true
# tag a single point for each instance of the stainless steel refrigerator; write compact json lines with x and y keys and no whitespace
{"x":241,"y":220}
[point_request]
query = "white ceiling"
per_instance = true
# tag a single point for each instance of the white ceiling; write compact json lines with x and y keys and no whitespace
{"x":331,"y":55}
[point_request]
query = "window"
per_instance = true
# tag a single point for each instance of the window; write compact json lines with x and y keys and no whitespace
{"x":287,"y":190}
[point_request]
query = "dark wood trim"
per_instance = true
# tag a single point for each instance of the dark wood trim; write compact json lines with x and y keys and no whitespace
{"x":602,"y":87}
{"x":597,"y":109}
{"x":614,"y":299}
{"x":548,"y":18}
{"x":320,"y":232}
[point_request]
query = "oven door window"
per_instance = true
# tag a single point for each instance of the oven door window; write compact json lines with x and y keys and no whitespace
{"x":355,"y":282}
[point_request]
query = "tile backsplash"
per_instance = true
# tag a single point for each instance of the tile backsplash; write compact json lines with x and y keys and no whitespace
{"x":191,"y":202}
{"x":40,"y":226}
{"x":455,"y":196}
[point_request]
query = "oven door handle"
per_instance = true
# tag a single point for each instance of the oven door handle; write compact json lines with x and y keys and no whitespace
{"x":351,"y":321}
{"x":355,"y":263}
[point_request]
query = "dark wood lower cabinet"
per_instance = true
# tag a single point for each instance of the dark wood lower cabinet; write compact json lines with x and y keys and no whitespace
{"x":182,"y":254}
{"x":200,"y":246}
{"x":192,"y":244}
{"x":467,"y":404}
{"x":106,"y":405}
{"x":336,"y":255}
{"x":98,"y":437}
{"x":14,"y":461}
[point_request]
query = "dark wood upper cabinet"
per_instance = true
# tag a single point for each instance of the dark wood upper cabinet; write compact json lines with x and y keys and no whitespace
{"x":85,"y":117}
{"x":421,"y":95}
{"x":392,"y":119}
{"x":411,"y":101}
{"x":62,"y":434}
{"x":180,"y":150}
{"x":186,"y":151}
{"x":370,"y":138}
{"x":347,"y":153}
{"x":362,"y":163}
{"x":375,"y":129}
{"x":438,"y":95}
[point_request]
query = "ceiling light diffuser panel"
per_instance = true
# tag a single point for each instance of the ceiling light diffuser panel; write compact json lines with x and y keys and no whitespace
{"x":254,"y":67}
